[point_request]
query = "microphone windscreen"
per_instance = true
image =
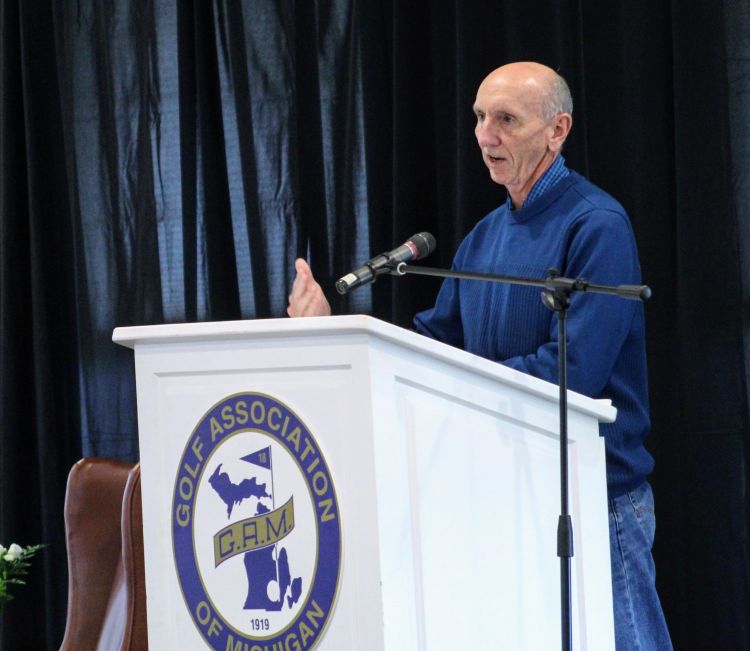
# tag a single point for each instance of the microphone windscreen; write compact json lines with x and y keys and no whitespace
{"x":424,"y":243}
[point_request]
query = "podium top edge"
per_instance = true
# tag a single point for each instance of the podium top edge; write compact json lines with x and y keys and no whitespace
{"x":207,"y":330}
{"x":135,"y":336}
{"x":132,"y":336}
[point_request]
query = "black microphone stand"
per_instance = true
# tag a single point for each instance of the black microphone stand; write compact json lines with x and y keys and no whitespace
{"x":556,"y":296}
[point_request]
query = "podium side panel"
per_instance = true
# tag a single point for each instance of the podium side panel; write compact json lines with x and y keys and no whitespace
{"x":467,"y":474}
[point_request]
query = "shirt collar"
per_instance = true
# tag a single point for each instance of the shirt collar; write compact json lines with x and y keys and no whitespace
{"x":552,"y":175}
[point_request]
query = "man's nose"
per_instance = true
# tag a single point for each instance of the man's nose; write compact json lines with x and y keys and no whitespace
{"x":486,"y":135}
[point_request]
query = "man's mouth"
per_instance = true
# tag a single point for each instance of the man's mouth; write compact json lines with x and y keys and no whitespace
{"x":495,"y":159}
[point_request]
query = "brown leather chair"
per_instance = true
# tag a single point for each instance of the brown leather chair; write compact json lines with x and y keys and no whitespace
{"x":104,"y":533}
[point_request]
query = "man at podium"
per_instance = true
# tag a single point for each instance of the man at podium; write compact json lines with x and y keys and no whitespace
{"x":554,"y":218}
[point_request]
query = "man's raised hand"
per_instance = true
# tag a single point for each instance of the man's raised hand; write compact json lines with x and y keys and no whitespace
{"x":307,"y":298}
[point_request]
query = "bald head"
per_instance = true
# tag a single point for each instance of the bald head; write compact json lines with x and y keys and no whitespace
{"x":537,"y":83}
{"x":523,"y":115}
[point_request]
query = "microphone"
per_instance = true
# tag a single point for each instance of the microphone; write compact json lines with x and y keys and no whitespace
{"x":415,"y":248}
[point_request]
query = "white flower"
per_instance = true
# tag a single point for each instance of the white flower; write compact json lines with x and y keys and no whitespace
{"x":14,"y":552}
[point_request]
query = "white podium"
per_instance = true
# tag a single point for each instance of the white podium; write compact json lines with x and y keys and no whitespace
{"x":344,"y":484}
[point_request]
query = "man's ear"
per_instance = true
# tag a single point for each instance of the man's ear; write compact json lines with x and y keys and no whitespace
{"x":561,"y":126}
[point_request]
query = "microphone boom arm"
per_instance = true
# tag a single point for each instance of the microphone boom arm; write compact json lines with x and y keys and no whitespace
{"x":553,"y":282}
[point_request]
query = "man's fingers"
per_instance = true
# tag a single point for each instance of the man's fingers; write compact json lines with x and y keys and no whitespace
{"x":307,"y":297}
{"x":302,"y":280}
{"x":298,"y":300}
{"x":302,"y":267}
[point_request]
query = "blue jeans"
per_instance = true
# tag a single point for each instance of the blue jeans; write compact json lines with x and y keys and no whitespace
{"x":639,"y":620}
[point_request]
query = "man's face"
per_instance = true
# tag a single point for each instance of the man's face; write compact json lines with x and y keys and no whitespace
{"x":510,"y":130}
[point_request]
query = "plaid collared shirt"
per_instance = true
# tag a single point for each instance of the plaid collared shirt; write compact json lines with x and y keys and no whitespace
{"x":555,"y":172}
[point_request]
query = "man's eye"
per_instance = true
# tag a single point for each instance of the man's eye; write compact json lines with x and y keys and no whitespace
{"x":507,"y":119}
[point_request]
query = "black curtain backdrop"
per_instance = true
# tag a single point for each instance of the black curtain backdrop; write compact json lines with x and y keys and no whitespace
{"x":167,"y":161}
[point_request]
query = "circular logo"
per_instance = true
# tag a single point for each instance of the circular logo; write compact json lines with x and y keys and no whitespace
{"x":255,"y":527}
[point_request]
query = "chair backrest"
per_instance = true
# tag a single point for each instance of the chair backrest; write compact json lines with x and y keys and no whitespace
{"x":93,"y":511}
{"x":124,"y":624}
{"x":106,"y":584}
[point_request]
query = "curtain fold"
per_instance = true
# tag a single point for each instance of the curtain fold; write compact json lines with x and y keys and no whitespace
{"x":167,"y":161}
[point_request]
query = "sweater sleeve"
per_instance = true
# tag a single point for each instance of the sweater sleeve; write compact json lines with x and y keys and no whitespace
{"x":601,"y":249}
{"x":443,"y":321}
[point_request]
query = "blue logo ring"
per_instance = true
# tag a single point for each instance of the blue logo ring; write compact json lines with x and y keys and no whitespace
{"x":266,"y":415}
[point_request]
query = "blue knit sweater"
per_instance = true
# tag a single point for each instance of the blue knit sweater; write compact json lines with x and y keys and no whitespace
{"x":584,"y":233}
